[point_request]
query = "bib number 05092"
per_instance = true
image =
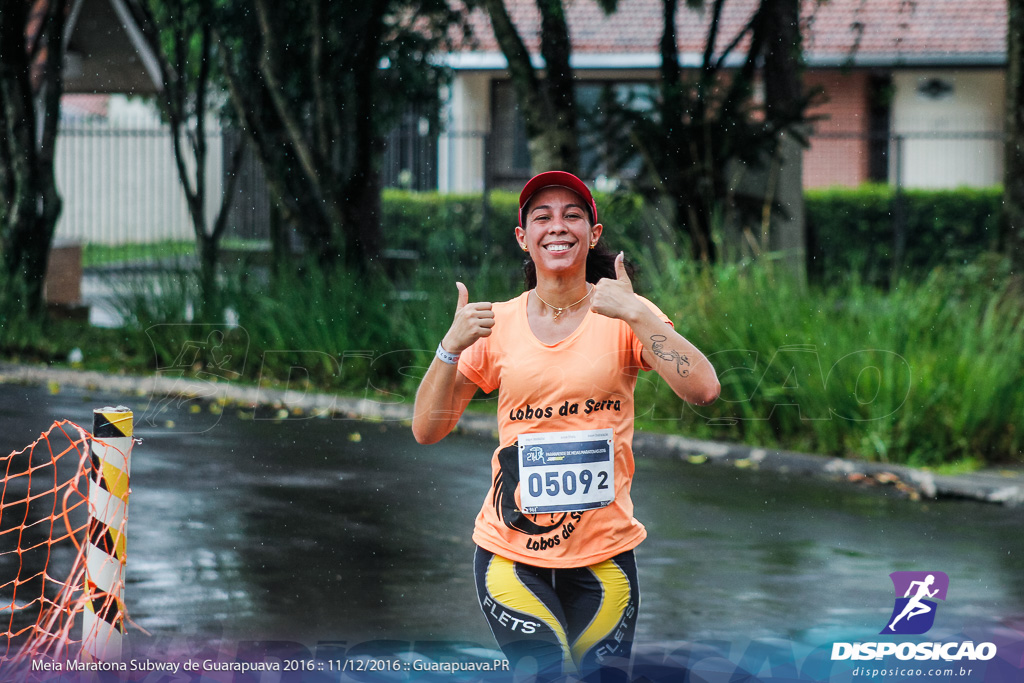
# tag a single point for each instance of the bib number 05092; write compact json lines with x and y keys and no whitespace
{"x":566,"y":471}
{"x":569,"y":482}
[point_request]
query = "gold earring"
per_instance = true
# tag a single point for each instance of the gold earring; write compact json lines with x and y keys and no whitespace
{"x":525,"y":249}
{"x":593,"y":244}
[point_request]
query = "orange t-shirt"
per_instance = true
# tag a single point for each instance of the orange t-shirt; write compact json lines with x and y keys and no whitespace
{"x":584,"y":382}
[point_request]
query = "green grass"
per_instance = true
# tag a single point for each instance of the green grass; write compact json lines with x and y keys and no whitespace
{"x":927,"y":374}
{"x":94,"y":255}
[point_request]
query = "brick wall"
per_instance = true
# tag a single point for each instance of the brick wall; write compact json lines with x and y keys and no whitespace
{"x":838,"y":161}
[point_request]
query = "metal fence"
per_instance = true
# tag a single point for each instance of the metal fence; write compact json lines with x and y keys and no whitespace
{"x":120,"y":184}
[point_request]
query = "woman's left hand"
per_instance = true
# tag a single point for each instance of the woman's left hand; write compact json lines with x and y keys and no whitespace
{"x":615,"y":298}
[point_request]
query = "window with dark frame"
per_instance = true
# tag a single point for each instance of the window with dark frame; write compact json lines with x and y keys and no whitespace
{"x":604,"y":148}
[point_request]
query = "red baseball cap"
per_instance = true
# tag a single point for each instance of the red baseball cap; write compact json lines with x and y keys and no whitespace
{"x":556,"y":179}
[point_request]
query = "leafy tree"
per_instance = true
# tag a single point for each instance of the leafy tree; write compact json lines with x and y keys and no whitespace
{"x":548,"y":103}
{"x":700,"y":122}
{"x":180,"y":35}
{"x":316,"y":84}
{"x":31,"y":82}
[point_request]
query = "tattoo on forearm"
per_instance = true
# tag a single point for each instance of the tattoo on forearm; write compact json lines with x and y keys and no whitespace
{"x":659,"y":350}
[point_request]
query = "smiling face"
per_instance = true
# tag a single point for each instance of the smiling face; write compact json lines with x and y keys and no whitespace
{"x":557,"y":232}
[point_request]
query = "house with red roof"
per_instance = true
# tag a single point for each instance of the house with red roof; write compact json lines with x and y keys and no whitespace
{"x":914,"y":91}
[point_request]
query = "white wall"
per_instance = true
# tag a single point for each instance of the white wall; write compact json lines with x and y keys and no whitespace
{"x":938,"y":150}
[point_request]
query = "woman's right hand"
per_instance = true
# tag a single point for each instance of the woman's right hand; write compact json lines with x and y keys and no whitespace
{"x":472,"y":321}
{"x":444,"y":391}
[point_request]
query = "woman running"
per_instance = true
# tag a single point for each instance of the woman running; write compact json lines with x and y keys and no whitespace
{"x":555,"y":572}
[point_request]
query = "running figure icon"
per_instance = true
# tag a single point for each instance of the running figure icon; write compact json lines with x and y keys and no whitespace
{"x":916,"y":595}
{"x":914,"y":606}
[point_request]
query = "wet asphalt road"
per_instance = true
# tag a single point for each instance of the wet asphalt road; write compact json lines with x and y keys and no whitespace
{"x":311,"y":529}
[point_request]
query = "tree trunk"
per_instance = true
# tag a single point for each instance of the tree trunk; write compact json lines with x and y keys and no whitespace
{"x":362,"y":238}
{"x":559,"y":88}
{"x":691,"y":200}
{"x":29,"y":112}
{"x":361,"y":218}
{"x":299,"y":206}
{"x":548,"y":105}
{"x":784,"y":99}
{"x":1012,"y":237}
{"x":699,"y":217}
{"x":208,"y":309}
{"x":345,"y":183}
{"x":185,"y":79}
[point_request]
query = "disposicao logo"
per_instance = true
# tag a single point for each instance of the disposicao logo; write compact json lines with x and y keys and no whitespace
{"x":913,"y":613}
{"x":914,"y":610}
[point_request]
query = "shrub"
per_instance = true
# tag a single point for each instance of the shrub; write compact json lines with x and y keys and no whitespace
{"x":924,"y":374}
{"x":462,"y":231}
{"x":854,"y":230}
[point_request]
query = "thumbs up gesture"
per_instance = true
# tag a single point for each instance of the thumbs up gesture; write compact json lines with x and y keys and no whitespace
{"x":472,"y":321}
{"x":615,"y":298}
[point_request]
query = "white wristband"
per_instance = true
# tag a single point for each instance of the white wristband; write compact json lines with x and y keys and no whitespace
{"x":449,"y":358}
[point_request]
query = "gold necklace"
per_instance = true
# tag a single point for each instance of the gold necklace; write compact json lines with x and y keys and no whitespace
{"x":558,"y":310}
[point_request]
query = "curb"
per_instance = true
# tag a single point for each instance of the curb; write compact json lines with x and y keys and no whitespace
{"x":1004,"y":487}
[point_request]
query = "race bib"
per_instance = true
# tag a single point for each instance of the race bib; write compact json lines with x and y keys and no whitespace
{"x":566,"y":471}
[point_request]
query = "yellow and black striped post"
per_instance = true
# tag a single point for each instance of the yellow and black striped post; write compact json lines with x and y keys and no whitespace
{"x":103,"y":616}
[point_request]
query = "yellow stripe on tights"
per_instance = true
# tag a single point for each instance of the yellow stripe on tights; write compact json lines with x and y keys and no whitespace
{"x":508,"y":590}
{"x":615,"y":595}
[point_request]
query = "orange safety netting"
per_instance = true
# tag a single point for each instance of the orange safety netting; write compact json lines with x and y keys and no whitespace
{"x":44,"y":529}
